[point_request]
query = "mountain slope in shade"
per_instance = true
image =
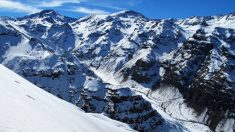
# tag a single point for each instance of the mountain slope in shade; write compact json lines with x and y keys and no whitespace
{"x":27,"y":108}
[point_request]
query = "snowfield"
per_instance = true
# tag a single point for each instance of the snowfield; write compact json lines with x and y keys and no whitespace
{"x":27,"y":108}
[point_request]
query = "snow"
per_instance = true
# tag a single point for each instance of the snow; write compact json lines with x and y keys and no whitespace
{"x":170,"y":104}
{"x":18,"y":50}
{"x":106,"y":77}
{"x":111,"y":53}
{"x":27,"y":108}
{"x":215,"y":63}
{"x":19,"y":29}
{"x":175,"y":111}
{"x":226,"y":126}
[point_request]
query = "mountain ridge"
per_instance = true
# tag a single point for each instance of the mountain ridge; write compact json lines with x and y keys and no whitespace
{"x":90,"y":60}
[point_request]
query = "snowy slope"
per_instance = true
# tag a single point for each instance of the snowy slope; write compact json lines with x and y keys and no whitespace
{"x":27,"y":108}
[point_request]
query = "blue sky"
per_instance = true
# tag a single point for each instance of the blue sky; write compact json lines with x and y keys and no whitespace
{"x":150,"y":8}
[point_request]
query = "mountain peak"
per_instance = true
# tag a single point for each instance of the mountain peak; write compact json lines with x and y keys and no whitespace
{"x":43,"y":13}
{"x":49,"y":15}
{"x":127,"y":13}
{"x":48,"y":11}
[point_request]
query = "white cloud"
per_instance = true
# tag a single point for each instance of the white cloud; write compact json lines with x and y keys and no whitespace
{"x":110,"y":6}
{"x":17,"y":6}
{"x":57,"y":3}
{"x":35,"y":6}
{"x":114,"y":7}
{"x":86,"y":10}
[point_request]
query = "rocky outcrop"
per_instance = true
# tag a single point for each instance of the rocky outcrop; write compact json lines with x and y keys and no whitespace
{"x":123,"y":105}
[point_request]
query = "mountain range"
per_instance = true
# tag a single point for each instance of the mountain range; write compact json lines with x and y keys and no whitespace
{"x":152,"y":74}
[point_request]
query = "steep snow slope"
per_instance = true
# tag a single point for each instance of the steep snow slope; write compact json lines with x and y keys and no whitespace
{"x":27,"y":108}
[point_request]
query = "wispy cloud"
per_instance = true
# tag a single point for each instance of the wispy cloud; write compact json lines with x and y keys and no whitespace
{"x":17,"y":6}
{"x":113,"y":7}
{"x":86,"y":10}
{"x":57,"y":3}
{"x":83,"y":6}
{"x":110,"y":6}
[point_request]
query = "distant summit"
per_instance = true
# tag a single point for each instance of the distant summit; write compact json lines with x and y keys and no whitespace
{"x":126,"y":13}
{"x":49,"y":16}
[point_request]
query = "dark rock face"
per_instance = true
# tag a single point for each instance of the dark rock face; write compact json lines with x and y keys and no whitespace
{"x":182,"y":67}
{"x":124,"y":106}
{"x":188,"y":74}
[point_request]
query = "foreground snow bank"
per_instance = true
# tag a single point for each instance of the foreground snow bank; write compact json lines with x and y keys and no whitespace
{"x":27,"y":108}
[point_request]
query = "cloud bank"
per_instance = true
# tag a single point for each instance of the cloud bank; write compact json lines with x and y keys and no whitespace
{"x":17,"y":6}
{"x":57,"y":3}
{"x":86,"y":10}
{"x":79,"y":6}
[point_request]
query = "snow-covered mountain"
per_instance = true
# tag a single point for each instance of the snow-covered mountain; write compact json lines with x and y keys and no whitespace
{"x":27,"y":108}
{"x":165,"y":74}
